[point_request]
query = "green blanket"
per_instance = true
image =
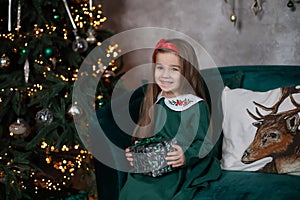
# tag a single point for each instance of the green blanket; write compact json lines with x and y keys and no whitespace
{"x":238,"y":185}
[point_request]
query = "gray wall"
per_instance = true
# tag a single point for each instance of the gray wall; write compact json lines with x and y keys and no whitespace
{"x":272,"y":37}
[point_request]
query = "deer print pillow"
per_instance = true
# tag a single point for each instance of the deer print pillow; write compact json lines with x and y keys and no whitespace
{"x":261,"y":130}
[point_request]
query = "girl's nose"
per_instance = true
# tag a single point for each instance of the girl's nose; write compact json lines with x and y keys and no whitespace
{"x":166,"y":73}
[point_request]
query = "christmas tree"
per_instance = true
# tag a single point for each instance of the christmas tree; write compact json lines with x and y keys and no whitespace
{"x":42,"y":45}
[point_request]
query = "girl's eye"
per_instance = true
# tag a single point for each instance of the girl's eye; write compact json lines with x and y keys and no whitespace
{"x":175,"y":69}
{"x":159,"y":67}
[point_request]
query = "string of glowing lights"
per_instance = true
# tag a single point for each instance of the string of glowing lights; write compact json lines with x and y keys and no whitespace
{"x":55,"y":157}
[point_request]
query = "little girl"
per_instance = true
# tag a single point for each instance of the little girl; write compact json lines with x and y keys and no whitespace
{"x":184,"y":115}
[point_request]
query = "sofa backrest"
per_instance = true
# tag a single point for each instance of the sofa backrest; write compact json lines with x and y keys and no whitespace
{"x":263,"y":78}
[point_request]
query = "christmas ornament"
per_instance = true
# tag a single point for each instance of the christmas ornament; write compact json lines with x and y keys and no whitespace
{"x":108,"y":76}
{"x":109,"y":73}
{"x":19,"y":128}
{"x":91,"y":38}
{"x":4,"y":61}
{"x":18,"y":16}
{"x":54,"y":61}
{"x":26,"y":71}
{"x":256,"y":7}
{"x":233,"y":16}
{"x":44,"y":116}
{"x":91,"y":34}
{"x":290,"y":4}
{"x":75,"y":111}
{"x":79,"y":44}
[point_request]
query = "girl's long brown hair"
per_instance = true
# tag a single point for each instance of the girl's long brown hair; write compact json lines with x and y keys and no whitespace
{"x":192,"y":84}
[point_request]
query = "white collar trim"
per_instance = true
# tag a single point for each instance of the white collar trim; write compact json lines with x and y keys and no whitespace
{"x":181,"y":102}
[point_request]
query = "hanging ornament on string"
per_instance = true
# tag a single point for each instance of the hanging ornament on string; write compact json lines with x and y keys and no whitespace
{"x":256,"y":7}
{"x":91,"y":36}
{"x":233,"y":17}
{"x":4,"y":61}
{"x":26,"y":71}
{"x":44,"y":116}
{"x":18,"y":17}
{"x":19,"y":129}
{"x":290,"y":4}
{"x":79,"y":44}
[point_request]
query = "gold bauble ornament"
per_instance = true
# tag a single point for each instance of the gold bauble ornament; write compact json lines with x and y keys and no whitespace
{"x":91,"y":36}
{"x":19,"y":128}
{"x":233,"y":17}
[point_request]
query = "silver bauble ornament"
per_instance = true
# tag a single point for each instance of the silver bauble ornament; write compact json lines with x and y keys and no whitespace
{"x":75,"y":111}
{"x":44,"y":116}
{"x":79,"y":44}
{"x":4,"y":61}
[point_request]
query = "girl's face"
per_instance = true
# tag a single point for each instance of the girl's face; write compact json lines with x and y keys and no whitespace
{"x":167,"y":73}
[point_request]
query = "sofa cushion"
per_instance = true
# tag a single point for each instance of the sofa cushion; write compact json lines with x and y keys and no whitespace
{"x":265,"y":141}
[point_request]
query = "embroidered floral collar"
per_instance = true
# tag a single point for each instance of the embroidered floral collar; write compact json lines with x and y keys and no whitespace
{"x":181,"y":102}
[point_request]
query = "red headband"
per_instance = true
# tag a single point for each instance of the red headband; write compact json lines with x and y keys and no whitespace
{"x":162,"y":44}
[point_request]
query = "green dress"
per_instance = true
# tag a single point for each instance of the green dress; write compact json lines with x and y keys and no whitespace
{"x":186,"y":118}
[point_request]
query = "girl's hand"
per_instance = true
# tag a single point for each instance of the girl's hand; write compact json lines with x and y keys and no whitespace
{"x":129,"y":157}
{"x":176,"y":158}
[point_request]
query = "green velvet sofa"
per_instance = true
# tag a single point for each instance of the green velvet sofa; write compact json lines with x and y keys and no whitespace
{"x":232,"y":184}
